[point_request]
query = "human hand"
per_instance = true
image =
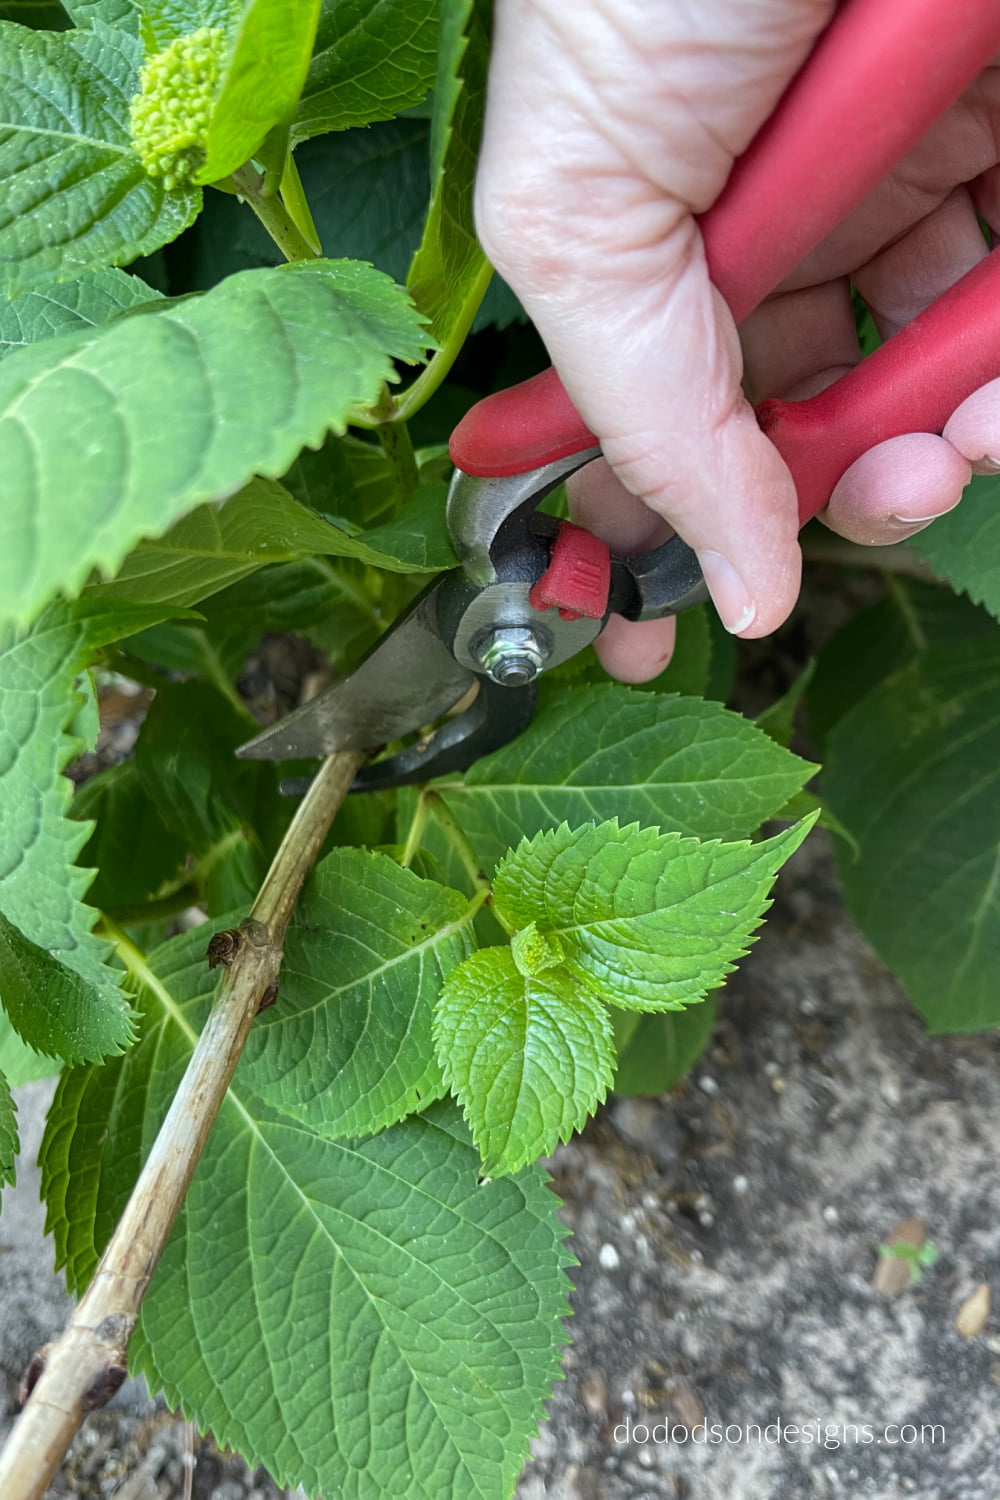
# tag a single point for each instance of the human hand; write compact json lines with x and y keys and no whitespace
{"x":607,"y":131}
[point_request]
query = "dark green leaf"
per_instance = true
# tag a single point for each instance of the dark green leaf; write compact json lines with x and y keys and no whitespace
{"x":114,"y":433}
{"x":19,"y":1063}
{"x":120,"y":13}
{"x":84,"y":303}
{"x":372,"y":58}
{"x":137,"y":857}
{"x":964,"y":545}
{"x":605,"y":751}
{"x":779,"y":719}
{"x":9,"y":1143}
{"x":913,"y":773}
{"x":401,"y":1321}
{"x":75,"y":195}
{"x":41,"y":889}
{"x":660,"y":1049}
{"x":347,"y":1049}
{"x":42,"y":15}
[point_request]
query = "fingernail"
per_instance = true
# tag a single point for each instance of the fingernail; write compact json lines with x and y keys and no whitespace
{"x":922,"y":520}
{"x":729,"y":593}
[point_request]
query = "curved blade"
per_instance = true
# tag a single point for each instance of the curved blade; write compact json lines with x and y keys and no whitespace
{"x":408,"y":678}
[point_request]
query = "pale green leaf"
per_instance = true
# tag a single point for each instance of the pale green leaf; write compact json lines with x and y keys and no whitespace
{"x":121,"y":13}
{"x":85,"y":303}
{"x":913,"y":774}
{"x":603,"y":751}
{"x":450,"y":273}
{"x":530,"y":1057}
{"x":75,"y":195}
{"x":347,"y":1049}
{"x":9,"y":1143}
{"x":20,"y":1063}
{"x":261,"y":81}
{"x":372,"y":59}
{"x":655,"y":1051}
{"x":112,"y":434}
{"x":41,"y":891}
{"x":964,"y":545}
{"x":401,"y":1322}
{"x":651,"y":920}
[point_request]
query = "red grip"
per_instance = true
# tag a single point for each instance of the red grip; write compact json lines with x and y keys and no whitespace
{"x":911,"y":384}
{"x":577,"y":580}
{"x":882,"y":72}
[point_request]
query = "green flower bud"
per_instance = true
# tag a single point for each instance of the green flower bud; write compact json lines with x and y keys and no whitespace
{"x":170,"y":116}
{"x":535,"y":951}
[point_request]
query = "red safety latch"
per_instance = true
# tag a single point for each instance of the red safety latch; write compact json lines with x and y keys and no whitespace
{"x":577,"y":580}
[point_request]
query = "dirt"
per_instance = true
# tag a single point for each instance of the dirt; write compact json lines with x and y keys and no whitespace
{"x":728,"y":1237}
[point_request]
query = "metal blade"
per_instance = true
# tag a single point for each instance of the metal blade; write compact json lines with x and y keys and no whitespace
{"x":408,"y":678}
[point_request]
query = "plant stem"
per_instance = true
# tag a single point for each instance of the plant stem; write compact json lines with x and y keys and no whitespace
{"x":85,"y":1366}
{"x":459,"y":841}
{"x":420,"y":392}
{"x":398,"y":449}
{"x":293,"y":196}
{"x":273,"y":214}
{"x":417,"y":825}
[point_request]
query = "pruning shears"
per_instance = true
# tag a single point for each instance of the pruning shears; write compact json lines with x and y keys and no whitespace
{"x":530,"y":591}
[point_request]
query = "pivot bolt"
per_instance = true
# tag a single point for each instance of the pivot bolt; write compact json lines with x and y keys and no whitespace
{"x":512,"y":655}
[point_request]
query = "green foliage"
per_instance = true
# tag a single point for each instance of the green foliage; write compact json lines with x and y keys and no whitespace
{"x":75,"y":195}
{"x":9,"y":1143}
{"x":170,"y":115}
{"x":370,"y":61}
{"x":123,"y":429}
{"x":424,"y":1308}
{"x":18,"y":1062}
{"x":964,"y":546}
{"x":84,"y":303}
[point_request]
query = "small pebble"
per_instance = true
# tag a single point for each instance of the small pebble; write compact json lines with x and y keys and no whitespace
{"x":609,"y":1257}
{"x":778,"y":1085}
{"x":708,"y":1085}
{"x":646,"y":1456}
{"x":741,"y":1185}
{"x":830,"y":1214}
{"x":772,"y":1069}
{"x":706,"y":1220}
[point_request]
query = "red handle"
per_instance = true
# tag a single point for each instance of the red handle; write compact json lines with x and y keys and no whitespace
{"x":881,"y":74}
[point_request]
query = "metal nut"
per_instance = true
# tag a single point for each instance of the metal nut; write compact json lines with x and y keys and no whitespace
{"x":512,"y":656}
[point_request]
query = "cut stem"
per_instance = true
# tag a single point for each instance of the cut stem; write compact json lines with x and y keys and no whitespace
{"x":84,"y":1367}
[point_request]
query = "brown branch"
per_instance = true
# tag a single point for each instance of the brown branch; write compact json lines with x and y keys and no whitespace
{"x":86,"y":1365}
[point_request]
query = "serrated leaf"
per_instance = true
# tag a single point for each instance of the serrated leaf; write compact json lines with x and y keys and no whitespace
{"x":41,"y":890}
{"x":964,"y":545}
{"x":121,"y":13}
{"x":112,"y":434}
{"x":85,"y":303}
{"x":655,"y":1051}
{"x":163,"y":20}
{"x":650,"y":920}
{"x":530,"y":1057}
{"x":261,"y":81}
{"x":401,"y":1322}
{"x":75,"y":194}
{"x":913,"y":774}
{"x":9,"y":1143}
{"x":20,"y":1063}
{"x":347,"y":1049}
{"x":372,"y":58}
{"x":604,"y":751}
{"x":450,"y":273}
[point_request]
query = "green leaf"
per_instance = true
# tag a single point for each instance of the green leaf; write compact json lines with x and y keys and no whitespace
{"x":778,"y":720}
{"x":43,"y":15}
{"x":41,"y":891}
{"x":964,"y":545}
{"x":657,"y":1050}
{"x":401,"y":1321}
{"x":347,"y":1049}
{"x":111,"y":434}
{"x":650,"y":920}
{"x":75,"y":195}
{"x":261,"y":81}
{"x":604,"y":751}
{"x":165,"y":20}
{"x":881,"y":639}
{"x":134,"y":852}
{"x":530,"y":1057}
{"x":372,"y":58}
{"x":9,"y":1143}
{"x":20,"y":1063}
{"x":120,"y":13}
{"x":913,"y":774}
{"x":84,"y":303}
{"x":450,"y":273}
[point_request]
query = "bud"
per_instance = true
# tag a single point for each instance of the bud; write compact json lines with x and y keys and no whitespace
{"x":170,"y":116}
